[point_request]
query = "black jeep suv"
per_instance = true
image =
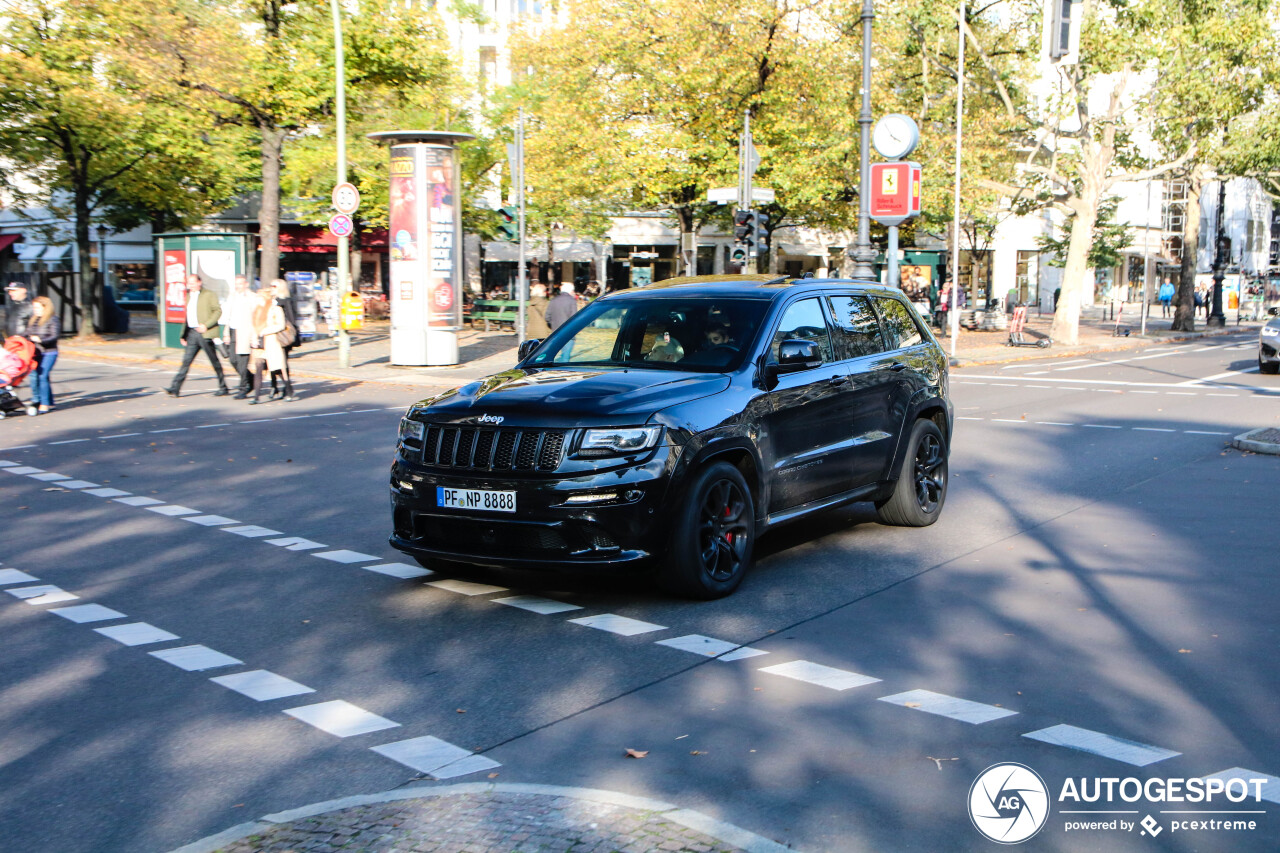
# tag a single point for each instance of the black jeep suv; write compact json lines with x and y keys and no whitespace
{"x":672,"y":425}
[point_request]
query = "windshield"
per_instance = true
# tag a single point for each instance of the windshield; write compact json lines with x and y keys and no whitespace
{"x":701,"y":335}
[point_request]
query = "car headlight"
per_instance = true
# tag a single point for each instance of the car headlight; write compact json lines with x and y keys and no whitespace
{"x":411,"y":430}
{"x":1270,"y":331}
{"x":616,"y":442}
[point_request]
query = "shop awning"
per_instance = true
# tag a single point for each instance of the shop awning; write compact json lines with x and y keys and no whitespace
{"x":316,"y":239}
{"x":7,"y":240}
{"x":504,"y":252}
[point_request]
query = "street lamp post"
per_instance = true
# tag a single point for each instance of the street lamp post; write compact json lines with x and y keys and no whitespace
{"x":1221,"y":249}
{"x":863,"y":255}
{"x":953,"y":315}
{"x":344,"y":250}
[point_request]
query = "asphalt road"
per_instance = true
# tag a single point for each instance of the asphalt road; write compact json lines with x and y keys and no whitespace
{"x":1104,"y":569}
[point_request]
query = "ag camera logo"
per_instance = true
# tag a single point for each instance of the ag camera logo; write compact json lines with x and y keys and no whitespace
{"x":1008,"y":803}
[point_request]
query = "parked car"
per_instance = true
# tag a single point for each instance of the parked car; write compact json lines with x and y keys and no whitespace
{"x":1269,"y":346}
{"x":671,"y":426}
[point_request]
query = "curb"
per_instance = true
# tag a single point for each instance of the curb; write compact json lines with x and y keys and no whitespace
{"x":1137,"y":343}
{"x":1250,"y":441}
{"x":697,"y":821}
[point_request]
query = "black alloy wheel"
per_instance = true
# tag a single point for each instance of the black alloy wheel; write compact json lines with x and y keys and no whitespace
{"x":921,"y":489}
{"x":713,"y":535}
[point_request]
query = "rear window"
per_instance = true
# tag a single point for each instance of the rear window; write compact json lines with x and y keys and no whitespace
{"x":857,"y":329}
{"x":899,"y":324}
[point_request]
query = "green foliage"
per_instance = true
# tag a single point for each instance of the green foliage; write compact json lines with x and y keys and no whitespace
{"x":1110,"y":239}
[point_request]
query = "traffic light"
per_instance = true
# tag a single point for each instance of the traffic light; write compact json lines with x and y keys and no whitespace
{"x":761,"y":230}
{"x":508,"y":224}
{"x":744,"y":226}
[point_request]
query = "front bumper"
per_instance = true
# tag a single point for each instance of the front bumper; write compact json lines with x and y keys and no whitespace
{"x":545,"y":532}
{"x":1269,"y":349}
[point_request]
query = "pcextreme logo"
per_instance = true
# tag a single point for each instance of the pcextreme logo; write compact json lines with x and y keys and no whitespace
{"x":1008,"y":803}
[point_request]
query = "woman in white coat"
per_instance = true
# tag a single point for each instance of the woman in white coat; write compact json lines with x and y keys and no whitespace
{"x":268,"y":320}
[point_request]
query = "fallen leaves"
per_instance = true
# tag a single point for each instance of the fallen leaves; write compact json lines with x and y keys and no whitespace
{"x":1184,"y":651}
{"x":911,"y":704}
{"x":636,"y":753}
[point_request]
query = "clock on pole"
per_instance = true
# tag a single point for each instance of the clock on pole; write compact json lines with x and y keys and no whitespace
{"x":895,"y":136}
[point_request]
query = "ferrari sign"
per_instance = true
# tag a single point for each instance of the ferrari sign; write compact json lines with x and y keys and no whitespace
{"x":895,"y":192}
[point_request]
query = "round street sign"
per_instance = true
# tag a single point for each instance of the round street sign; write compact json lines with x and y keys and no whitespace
{"x":340,"y":225}
{"x":346,"y":198}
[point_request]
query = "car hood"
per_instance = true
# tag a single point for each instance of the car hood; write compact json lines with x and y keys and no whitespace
{"x":567,"y":397}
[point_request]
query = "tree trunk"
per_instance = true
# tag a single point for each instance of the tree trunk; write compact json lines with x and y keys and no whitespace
{"x":1066,"y":320}
{"x":269,"y":213}
{"x":1184,"y":318}
{"x":86,"y":301}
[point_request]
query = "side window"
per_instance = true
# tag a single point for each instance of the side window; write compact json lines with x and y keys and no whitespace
{"x":857,"y":330}
{"x":803,"y":321}
{"x":899,"y":326}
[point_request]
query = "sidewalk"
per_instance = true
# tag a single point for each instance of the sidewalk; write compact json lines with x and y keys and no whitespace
{"x":484,"y":353}
{"x":480,"y":817}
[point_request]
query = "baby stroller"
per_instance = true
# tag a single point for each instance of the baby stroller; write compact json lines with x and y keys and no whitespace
{"x":17,"y":359}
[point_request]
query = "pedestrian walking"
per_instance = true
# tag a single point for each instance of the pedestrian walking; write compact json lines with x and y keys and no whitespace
{"x":535,"y":321}
{"x":288,"y":338}
{"x":944,"y":305}
{"x":43,"y":330}
{"x":268,"y":351}
{"x":239,"y":314}
{"x":17,"y":309}
{"x":1166,"y":298}
{"x":204,"y":313}
{"x":564,"y":306}
{"x":1057,"y":291}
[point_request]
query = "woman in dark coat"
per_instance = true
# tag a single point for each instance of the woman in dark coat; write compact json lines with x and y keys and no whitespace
{"x":43,"y":329}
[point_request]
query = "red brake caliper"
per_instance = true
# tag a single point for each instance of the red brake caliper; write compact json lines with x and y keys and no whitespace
{"x":728,"y":537}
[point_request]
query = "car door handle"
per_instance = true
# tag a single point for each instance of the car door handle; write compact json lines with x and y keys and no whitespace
{"x":838,"y":380}
{"x":898,"y":365}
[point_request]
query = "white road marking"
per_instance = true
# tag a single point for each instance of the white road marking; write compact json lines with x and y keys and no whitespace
{"x":967,"y":418}
{"x":399,"y":570}
{"x":209,"y":520}
{"x":171,"y":429}
{"x":345,"y":556}
{"x":173,"y":509}
{"x":19,"y":446}
{"x":77,"y":484}
{"x":211,"y":426}
{"x":1180,"y":393}
{"x":258,"y":421}
{"x":1203,"y":432}
{"x":1040,"y":386}
{"x":1101,"y":426}
{"x":327,"y":414}
{"x":1097,"y":743}
{"x":44,"y":594}
{"x":1052,"y":423}
{"x":615,"y":624}
{"x":261,"y":685}
{"x":68,"y":441}
{"x":295,"y":417}
{"x":250,"y":531}
{"x":1270,"y":790}
{"x":24,"y":469}
{"x":816,"y":673}
{"x":136,"y":634}
{"x":106,"y":493}
{"x":138,"y":500}
{"x":82,"y":613}
{"x":340,"y":718}
{"x":118,"y":435}
{"x":195,"y":658}
{"x":1219,"y":376}
{"x":1008,"y":420}
{"x":5,"y":463}
{"x":363,"y":411}
{"x":1117,"y":382}
{"x":1006,"y":384}
{"x":948,"y":706}
{"x":708,"y":647}
{"x":435,"y":757}
{"x":8,"y":576}
{"x":465,"y":587}
{"x":49,"y":477}
{"x":536,"y":604}
{"x":1143,"y":392}
{"x":1153,"y":429}
{"x":1107,"y":391}
{"x":741,"y":654}
{"x":1222,"y":395}
{"x":295,"y":543}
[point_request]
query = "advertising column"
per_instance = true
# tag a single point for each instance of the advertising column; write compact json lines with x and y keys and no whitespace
{"x":425,"y":224}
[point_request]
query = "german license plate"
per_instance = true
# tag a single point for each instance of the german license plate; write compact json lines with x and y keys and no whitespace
{"x":481,"y":499}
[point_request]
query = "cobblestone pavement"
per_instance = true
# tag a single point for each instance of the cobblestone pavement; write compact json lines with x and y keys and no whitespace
{"x":501,"y":822}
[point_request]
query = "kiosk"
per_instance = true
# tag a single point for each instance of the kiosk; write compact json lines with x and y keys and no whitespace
{"x":216,"y":257}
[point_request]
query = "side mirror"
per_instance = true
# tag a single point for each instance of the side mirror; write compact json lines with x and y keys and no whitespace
{"x":527,"y":349}
{"x":793,"y":356}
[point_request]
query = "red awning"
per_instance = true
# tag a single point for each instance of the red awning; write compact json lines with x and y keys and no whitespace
{"x":317,"y":239}
{"x":7,"y":240}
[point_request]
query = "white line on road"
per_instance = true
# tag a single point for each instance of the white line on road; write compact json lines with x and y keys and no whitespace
{"x":344,"y":556}
{"x":195,"y":658}
{"x":68,"y":441}
{"x":434,"y":757}
{"x":816,"y":673}
{"x":1097,"y":743}
{"x":465,"y":587}
{"x":537,"y":604}
{"x":136,"y":634}
{"x":615,"y":624}
{"x":261,"y":685}
{"x":82,"y":613}
{"x":171,"y":429}
{"x":340,"y":718}
{"x":948,"y":706}
{"x":8,"y":576}
{"x":106,"y":493}
{"x":399,"y":570}
{"x":118,"y":435}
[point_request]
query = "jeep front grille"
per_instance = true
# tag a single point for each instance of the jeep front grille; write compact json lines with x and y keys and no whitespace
{"x":482,"y":449}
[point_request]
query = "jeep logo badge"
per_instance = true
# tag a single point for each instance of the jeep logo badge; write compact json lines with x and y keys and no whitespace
{"x":490,"y":419}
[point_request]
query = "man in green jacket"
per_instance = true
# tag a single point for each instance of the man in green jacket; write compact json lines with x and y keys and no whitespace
{"x":204,"y":313}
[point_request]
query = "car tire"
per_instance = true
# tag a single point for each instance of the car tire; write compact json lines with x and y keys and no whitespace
{"x":713,"y":537}
{"x":921,"y":489}
{"x":1268,"y":366}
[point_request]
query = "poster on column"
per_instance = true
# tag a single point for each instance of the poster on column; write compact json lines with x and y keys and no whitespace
{"x":442,"y":212}
{"x":175,"y":286}
{"x":404,"y":225}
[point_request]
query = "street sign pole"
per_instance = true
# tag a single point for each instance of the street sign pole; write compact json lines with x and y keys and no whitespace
{"x":344,"y":250}
{"x":522,"y":281}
